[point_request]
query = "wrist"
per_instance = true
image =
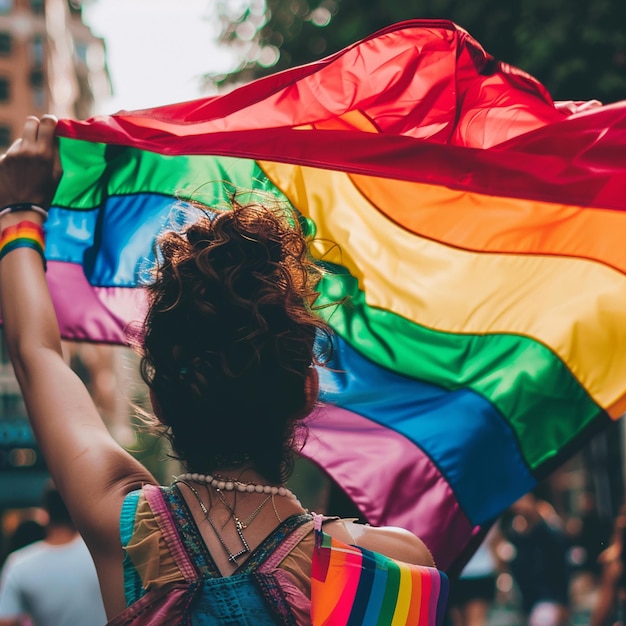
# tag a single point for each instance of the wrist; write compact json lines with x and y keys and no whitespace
{"x":24,"y":234}
{"x":17,"y":212}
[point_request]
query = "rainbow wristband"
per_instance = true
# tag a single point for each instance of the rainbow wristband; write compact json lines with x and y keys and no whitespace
{"x":25,"y":234}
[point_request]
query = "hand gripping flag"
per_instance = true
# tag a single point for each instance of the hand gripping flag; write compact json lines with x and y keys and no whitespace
{"x":474,"y":228}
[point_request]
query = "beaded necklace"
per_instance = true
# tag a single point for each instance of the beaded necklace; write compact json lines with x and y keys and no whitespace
{"x":226,"y":483}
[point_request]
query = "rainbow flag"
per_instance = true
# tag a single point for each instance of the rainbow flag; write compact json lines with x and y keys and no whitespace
{"x":351,"y":586}
{"x":475,"y":228}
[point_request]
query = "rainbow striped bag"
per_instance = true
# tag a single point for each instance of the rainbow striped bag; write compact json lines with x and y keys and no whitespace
{"x":352,"y":586}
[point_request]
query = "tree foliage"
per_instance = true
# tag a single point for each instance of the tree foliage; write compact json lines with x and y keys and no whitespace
{"x":577,"y":49}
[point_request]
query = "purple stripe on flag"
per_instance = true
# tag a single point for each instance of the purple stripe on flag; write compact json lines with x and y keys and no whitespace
{"x":96,"y":314}
{"x":361,"y":455}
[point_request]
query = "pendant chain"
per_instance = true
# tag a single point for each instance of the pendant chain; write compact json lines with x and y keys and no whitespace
{"x":239,"y":524}
{"x":245,"y":523}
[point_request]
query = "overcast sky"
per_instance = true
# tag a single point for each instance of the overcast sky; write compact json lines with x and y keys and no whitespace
{"x":157,"y":50}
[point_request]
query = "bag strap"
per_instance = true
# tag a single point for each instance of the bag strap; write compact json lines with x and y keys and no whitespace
{"x":169,"y":531}
{"x":285,"y":547}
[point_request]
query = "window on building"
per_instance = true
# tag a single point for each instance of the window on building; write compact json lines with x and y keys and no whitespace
{"x":5,"y":44}
{"x":5,"y":89}
{"x":36,"y":78}
{"x":37,"y":83}
{"x":36,"y":51}
{"x":5,"y":6}
{"x":39,"y":97}
{"x":37,"y":6}
{"x":5,"y":141}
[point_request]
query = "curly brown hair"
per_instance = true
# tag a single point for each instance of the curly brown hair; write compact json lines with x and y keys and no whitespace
{"x":229,"y":338}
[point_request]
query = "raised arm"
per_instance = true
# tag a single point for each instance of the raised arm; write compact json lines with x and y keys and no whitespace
{"x":90,"y":469}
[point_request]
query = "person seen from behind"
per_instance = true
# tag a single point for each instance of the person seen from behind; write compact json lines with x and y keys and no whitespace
{"x":52,"y":582}
{"x":27,"y":531}
{"x":229,"y":353}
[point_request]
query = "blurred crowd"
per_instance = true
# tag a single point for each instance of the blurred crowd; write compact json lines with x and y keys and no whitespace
{"x":536,"y":568}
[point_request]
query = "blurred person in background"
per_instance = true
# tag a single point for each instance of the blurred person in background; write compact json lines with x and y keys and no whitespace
{"x":610,"y":606}
{"x":27,"y":531}
{"x":473,"y":593}
{"x":539,"y":563}
{"x":51,"y":582}
{"x":590,"y":534}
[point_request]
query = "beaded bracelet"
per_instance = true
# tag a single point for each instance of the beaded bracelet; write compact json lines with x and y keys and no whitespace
{"x":23,"y":206}
{"x":25,"y":234}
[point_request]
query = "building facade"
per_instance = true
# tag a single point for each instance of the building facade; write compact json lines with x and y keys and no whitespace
{"x":50,"y":62}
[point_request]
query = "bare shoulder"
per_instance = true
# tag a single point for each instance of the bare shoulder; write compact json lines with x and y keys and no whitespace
{"x":396,"y":543}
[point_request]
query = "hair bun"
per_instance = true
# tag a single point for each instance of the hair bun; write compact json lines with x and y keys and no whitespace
{"x":230,"y":335}
{"x":247,"y":238}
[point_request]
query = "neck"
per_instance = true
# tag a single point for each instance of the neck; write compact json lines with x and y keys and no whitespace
{"x":242,"y":482}
{"x":245,"y":474}
{"x":59,"y":535}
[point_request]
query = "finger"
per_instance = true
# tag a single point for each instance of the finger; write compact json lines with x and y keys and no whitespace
{"x":590,"y":104}
{"x":565,"y":105}
{"x":45,"y":136}
{"x":57,"y":169}
{"x":30,"y":132}
{"x":15,"y":146}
